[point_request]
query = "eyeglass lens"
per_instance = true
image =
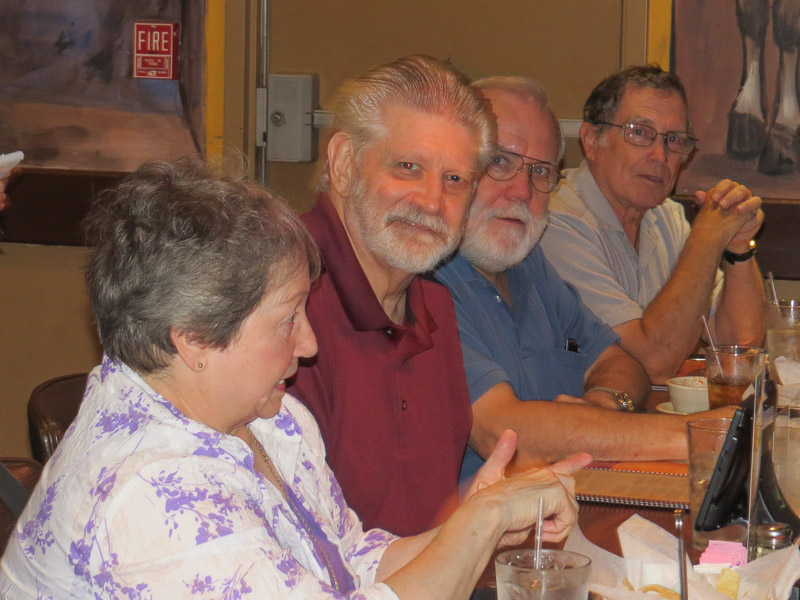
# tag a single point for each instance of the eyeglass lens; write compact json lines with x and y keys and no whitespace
{"x":505,"y":165}
{"x":644,"y":135}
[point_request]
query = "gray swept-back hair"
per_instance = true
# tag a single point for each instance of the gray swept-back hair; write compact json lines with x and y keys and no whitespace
{"x":420,"y":82}
{"x":525,"y":89}
{"x":177,"y":244}
{"x":603,"y":103}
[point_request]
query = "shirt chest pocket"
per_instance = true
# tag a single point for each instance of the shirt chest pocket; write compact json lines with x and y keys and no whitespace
{"x":551,"y":371}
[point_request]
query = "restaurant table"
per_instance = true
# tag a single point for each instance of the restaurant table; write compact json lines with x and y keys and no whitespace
{"x":599,"y":522}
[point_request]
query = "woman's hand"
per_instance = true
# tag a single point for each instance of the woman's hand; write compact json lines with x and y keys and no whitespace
{"x":497,"y":511}
{"x":517,"y":497}
{"x":494,"y":469}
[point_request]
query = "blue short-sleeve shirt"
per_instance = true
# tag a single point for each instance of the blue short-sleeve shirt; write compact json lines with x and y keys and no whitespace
{"x":523,"y":344}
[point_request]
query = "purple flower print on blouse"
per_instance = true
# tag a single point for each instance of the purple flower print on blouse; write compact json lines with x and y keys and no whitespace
{"x":79,"y":553}
{"x":209,"y":444}
{"x":201,"y":584}
{"x":105,"y":484}
{"x":236,"y":587}
{"x":36,"y":532}
{"x":103,"y":583}
{"x":208,"y":504}
{"x":107,"y":367}
{"x":341,"y":507}
{"x":287,"y":423}
{"x":135,"y":593}
{"x":289,"y":567}
{"x":110,"y":422}
{"x":375,"y":538}
{"x":111,"y":588}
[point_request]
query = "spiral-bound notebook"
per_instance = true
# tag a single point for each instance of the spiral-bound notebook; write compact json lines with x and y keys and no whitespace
{"x":646,"y":484}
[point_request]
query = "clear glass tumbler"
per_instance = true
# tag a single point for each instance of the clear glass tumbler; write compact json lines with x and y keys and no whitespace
{"x":562,"y":575}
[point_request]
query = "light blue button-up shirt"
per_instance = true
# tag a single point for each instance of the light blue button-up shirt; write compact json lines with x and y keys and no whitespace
{"x":523,"y":344}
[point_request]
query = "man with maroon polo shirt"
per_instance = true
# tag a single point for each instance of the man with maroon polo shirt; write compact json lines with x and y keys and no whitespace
{"x":387,"y":386}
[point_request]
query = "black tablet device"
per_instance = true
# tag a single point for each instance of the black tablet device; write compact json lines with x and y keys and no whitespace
{"x":725,"y":501}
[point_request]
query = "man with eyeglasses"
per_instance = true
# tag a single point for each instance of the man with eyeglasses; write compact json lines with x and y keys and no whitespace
{"x":537,"y":360}
{"x":629,"y":249}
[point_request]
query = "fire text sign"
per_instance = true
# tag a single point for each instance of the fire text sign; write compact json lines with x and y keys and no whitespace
{"x":155,"y":53}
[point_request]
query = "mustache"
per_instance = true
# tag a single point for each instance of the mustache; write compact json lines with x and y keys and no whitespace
{"x":514,"y":211}
{"x":413,"y":214}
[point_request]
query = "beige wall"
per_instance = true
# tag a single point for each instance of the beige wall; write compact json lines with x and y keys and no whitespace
{"x":568,"y":45}
{"x":45,"y":329}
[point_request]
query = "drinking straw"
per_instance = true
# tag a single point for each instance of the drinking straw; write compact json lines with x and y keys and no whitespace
{"x":711,"y":342}
{"x":771,"y":281}
{"x":537,"y":558}
{"x":708,"y":333}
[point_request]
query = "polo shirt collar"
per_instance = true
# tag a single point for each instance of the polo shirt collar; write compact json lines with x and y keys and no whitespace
{"x":517,"y":282}
{"x":351,"y":283}
{"x":606,"y":217}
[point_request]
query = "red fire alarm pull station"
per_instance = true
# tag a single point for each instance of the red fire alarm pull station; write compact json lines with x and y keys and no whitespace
{"x":155,"y":54}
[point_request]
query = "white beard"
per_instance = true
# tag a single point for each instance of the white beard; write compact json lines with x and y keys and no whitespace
{"x":498,"y":253}
{"x":412,"y":252}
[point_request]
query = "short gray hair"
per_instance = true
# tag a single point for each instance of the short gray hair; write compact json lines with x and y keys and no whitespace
{"x":603,"y":103}
{"x":525,"y":89}
{"x":177,"y":244}
{"x":417,"y":81}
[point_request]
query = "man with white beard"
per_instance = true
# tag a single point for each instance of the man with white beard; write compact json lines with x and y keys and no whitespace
{"x":537,"y":360}
{"x":387,"y":386}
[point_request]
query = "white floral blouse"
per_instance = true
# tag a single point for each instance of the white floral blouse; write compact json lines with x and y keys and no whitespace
{"x":141,"y":502}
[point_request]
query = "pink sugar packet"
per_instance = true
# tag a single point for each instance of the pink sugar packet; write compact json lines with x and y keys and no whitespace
{"x":730,"y":553}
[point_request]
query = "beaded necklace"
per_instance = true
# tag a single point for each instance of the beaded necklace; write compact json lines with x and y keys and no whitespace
{"x":296,"y":511}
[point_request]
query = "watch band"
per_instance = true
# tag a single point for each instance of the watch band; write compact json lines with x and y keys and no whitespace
{"x":622,"y":398}
{"x":734,"y":257}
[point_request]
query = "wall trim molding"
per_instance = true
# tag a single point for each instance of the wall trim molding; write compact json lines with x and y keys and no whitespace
{"x":570,"y":127}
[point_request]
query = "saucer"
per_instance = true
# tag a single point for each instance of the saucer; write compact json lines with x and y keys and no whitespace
{"x":667,"y":409}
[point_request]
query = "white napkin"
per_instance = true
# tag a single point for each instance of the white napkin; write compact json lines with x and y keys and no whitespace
{"x":650,"y":558}
{"x":9,"y":161}
{"x":770,"y":577}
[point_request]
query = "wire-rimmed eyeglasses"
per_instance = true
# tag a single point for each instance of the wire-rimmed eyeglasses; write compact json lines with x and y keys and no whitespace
{"x":637,"y":134}
{"x":504,"y":165}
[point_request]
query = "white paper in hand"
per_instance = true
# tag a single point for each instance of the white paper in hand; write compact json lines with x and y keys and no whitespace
{"x":9,"y":161}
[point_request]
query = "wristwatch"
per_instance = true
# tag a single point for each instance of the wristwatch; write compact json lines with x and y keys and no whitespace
{"x":622,"y":398}
{"x":734,"y":257}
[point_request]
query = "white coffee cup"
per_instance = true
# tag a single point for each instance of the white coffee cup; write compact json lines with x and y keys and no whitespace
{"x":688,"y":394}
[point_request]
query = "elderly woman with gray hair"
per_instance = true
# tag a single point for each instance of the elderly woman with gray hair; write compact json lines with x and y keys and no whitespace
{"x":189,"y":472}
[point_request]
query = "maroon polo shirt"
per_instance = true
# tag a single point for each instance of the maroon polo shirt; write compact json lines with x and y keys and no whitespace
{"x":391,"y":401}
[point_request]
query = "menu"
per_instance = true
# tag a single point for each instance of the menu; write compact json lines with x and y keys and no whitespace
{"x":645,"y":484}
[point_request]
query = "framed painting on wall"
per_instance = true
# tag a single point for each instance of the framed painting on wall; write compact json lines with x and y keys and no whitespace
{"x":68,"y":98}
{"x":69,"y":101}
{"x":742,"y":87}
{"x":738,"y":61}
